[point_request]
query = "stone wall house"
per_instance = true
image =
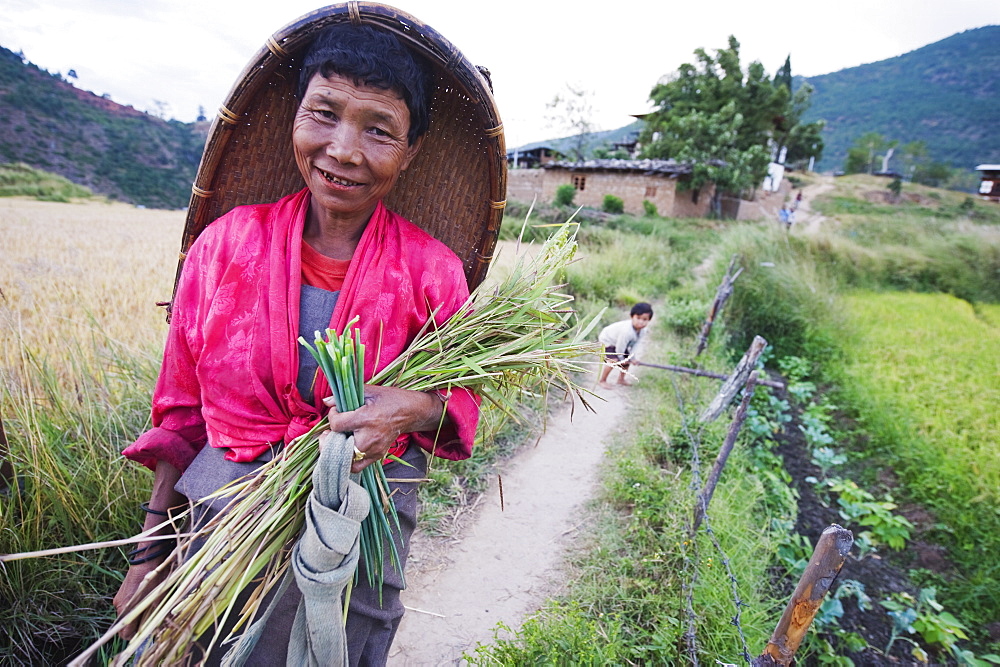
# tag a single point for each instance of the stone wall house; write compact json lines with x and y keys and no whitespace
{"x":634,"y":181}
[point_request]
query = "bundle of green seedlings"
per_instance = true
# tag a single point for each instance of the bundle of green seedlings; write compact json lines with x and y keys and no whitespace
{"x":501,"y":342}
{"x":342,"y":359}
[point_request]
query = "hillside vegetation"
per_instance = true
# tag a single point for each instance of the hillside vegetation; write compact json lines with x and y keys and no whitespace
{"x":111,"y":149}
{"x":946,"y":94}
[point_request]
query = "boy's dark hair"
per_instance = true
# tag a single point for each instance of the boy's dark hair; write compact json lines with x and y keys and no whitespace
{"x":372,"y":58}
{"x":641,"y":308}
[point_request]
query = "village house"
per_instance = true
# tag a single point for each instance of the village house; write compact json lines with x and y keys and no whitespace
{"x":634,"y":181}
{"x":989,"y":182}
{"x":532,"y":158}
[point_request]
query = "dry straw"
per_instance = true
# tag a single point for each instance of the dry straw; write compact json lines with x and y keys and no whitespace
{"x":503,"y":341}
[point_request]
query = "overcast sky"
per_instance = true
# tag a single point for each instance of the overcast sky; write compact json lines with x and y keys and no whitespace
{"x":188,"y":53}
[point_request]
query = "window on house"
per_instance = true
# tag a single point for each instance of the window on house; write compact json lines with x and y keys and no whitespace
{"x":694,"y":195}
{"x":579,"y":182}
{"x":650,"y":191}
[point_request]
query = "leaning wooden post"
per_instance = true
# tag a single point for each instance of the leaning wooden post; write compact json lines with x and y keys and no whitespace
{"x":705,"y":497}
{"x":722,"y":294}
{"x":824,"y":566}
{"x":739,"y":377}
{"x":704,"y":374}
{"x":743,"y":376}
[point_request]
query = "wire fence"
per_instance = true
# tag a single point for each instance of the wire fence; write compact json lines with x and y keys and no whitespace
{"x":690,"y":573}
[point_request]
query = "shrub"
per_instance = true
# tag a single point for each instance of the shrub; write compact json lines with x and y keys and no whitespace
{"x":896,"y":186}
{"x":613,"y":204}
{"x":649,"y":208}
{"x":565,"y":194}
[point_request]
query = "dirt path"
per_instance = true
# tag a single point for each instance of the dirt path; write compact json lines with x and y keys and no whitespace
{"x":807,"y":220}
{"x":504,"y":564}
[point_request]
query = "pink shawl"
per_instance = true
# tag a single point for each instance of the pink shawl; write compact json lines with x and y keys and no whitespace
{"x":231,"y":357}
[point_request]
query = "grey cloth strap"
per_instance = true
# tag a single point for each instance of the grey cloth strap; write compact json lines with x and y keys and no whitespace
{"x":326,"y":556}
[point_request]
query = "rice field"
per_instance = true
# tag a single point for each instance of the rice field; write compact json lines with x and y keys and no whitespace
{"x":924,"y":369}
{"x":72,"y":270}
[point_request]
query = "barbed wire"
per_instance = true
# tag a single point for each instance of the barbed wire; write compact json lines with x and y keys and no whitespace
{"x":687,"y":586}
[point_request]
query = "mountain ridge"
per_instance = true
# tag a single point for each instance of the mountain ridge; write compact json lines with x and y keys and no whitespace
{"x":954,"y":122}
{"x":946,"y":94}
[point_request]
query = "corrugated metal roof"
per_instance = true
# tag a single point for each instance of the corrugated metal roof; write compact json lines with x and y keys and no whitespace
{"x":644,"y":166}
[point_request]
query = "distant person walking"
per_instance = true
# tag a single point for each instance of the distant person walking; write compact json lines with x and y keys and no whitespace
{"x":620,"y":341}
{"x":785,"y":216}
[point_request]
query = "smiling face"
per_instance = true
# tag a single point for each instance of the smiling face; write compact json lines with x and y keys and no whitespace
{"x":350,"y":145}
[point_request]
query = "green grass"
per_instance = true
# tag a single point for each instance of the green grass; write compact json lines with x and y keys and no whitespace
{"x":626,"y":601}
{"x":20,"y":180}
{"x":65,"y":437}
{"x":923,"y":372}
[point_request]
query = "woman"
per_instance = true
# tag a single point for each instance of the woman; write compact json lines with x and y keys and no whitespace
{"x":260,"y":276}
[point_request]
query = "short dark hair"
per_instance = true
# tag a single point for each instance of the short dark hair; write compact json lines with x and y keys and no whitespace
{"x":641,"y":308}
{"x":372,"y":58}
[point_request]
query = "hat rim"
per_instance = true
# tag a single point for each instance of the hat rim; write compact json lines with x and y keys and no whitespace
{"x":247,"y":128}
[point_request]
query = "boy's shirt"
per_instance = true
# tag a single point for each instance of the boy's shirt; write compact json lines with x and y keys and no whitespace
{"x":622,"y":336}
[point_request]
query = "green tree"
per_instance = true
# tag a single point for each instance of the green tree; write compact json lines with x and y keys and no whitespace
{"x":725,"y":122}
{"x":911,"y":155}
{"x":863,"y":156}
{"x":784,"y":75}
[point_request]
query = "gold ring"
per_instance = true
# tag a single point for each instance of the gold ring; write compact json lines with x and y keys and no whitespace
{"x":358,"y":455}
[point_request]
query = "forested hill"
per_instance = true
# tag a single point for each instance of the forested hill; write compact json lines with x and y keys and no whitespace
{"x":112,"y":149}
{"x":946,"y":94}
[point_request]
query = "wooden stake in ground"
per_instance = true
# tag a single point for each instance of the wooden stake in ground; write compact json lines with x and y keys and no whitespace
{"x":824,"y":566}
{"x":705,"y":497}
{"x":722,"y":295}
{"x":739,"y":377}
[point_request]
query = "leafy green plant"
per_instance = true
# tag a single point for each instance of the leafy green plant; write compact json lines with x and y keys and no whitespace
{"x":648,"y":208}
{"x":861,"y":507}
{"x":613,"y":204}
{"x":565,"y":194}
{"x":895,"y":186}
{"x":926,"y":617}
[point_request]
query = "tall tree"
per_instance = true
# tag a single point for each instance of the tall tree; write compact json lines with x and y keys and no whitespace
{"x":863,"y":156}
{"x":784,"y":75}
{"x":738,"y":120}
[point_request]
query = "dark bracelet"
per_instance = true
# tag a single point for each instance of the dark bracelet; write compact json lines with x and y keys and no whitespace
{"x":146,"y":508}
{"x":163,"y":550}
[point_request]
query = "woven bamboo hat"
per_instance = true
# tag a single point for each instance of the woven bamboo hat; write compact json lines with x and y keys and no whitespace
{"x":454,"y":188}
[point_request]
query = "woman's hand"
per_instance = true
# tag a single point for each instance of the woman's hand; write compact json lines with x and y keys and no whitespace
{"x":126,"y":595}
{"x":387,"y":413}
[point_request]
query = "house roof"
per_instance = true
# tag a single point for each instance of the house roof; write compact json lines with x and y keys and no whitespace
{"x":988,"y":167}
{"x":643,"y":166}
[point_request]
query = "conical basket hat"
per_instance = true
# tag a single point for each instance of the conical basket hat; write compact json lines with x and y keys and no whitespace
{"x":454,"y":188}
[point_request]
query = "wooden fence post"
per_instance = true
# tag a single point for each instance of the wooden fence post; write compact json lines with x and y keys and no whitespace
{"x":722,"y":295}
{"x":739,"y":377}
{"x":705,"y":497}
{"x":824,"y":566}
